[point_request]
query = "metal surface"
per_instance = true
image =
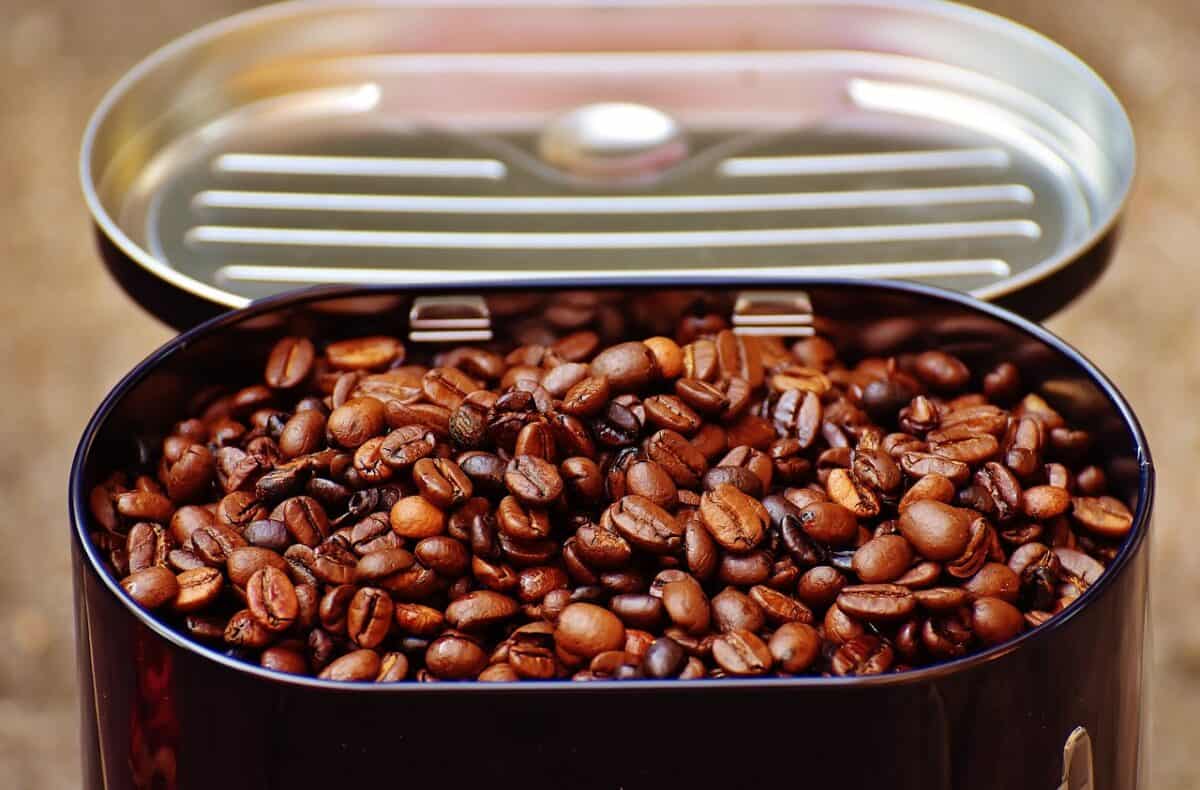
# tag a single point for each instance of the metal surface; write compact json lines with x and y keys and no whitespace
{"x":319,"y":142}
{"x":1078,"y":772}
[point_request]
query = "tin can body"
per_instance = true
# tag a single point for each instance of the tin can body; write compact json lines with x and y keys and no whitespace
{"x":162,"y":712}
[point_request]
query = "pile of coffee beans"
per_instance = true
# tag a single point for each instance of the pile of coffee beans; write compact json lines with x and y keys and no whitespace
{"x":709,"y":505}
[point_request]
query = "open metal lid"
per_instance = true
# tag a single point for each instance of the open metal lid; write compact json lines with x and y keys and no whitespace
{"x":394,"y":142}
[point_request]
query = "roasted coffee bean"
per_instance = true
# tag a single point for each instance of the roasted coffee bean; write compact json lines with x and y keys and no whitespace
{"x":736,"y":521}
{"x":649,"y":480}
{"x":415,"y":517}
{"x":795,"y":647}
{"x":533,"y":480}
{"x":151,"y":587}
{"x":521,"y":522}
{"x":534,"y":584}
{"x":357,"y":666}
{"x":406,"y":446}
{"x":936,"y":530}
{"x":365,"y":353}
{"x":665,"y":658}
{"x":941,"y":599}
{"x":701,"y":554}
{"x":779,"y":607}
{"x":876,"y":602}
{"x":701,"y":396}
{"x":994,"y":580}
{"x":687,"y":605}
{"x":638,"y":610}
{"x":586,"y":630}
{"x":645,"y":525}
{"x":147,"y":545}
{"x":369,"y":617}
{"x":443,"y":554}
{"x":582,"y":480}
{"x":683,"y":462}
{"x":272,"y":598}
{"x":481,"y":609}
{"x":198,"y":589}
{"x":733,"y":610}
{"x":863,"y":655}
{"x":995,"y":621}
{"x":820,"y":586}
{"x":602,"y":548}
{"x":245,"y":630}
{"x":467,"y":426}
{"x":975,"y":553}
{"x":741,"y":652}
{"x":744,"y":570}
{"x":669,"y":411}
{"x":1105,"y":516}
{"x":847,"y":491}
{"x":829,"y":523}
{"x":946,"y":636}
{"x":882,"y":559}
{"x":486,"y":471}
{"x":629,"y":367}
{"x":282,"y":659}
{"x":356,"y":421}
{"x":383,"y":563}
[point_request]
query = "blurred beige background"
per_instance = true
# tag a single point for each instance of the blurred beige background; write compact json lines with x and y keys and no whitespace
{"x":69,"y":332}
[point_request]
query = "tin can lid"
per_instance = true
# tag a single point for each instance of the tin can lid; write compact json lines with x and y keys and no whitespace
{"x":321,"y":142}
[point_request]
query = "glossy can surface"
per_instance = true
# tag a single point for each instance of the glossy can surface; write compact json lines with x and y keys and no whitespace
{"x":160,"y":711}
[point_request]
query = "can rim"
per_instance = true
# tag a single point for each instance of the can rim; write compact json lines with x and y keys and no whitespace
{"x":80,"y":514}
{"x":946,"y":8}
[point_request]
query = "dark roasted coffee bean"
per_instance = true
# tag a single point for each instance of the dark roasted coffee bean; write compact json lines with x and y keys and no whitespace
{"x":486,"y":471}
{"x":665,"y":658}
{"x":467,"y":426}
{"x":863,"y":655}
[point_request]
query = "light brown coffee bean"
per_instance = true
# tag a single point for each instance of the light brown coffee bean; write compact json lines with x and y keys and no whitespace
{"x":151,"y":587}
{"x":736,"y":521}
{"x":741,"y":652}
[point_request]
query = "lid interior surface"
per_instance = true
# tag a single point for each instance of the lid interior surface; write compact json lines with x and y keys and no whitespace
{"x":393,"y":143}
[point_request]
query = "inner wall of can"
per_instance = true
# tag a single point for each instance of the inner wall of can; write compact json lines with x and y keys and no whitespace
{"x":317,"y":142}
{"x":860,"y":318}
